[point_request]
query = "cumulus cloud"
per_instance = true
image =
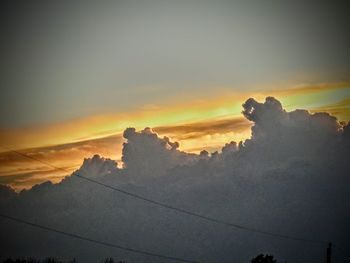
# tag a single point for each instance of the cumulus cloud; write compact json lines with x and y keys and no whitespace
{"x":97,"y":166}
{"x":229,"y":148}
{"x":271,"y":119}
{"x":145,"y":153}
{"x":291,"y":177}
{"x":20,"y":172}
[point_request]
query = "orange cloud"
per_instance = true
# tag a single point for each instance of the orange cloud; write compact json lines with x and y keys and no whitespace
{"x":25,"y":172}
{"x":340,"y":109}
{"x":203,"y":124}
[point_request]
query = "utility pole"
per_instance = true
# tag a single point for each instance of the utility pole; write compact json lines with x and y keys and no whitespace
{"x":329,"y":252}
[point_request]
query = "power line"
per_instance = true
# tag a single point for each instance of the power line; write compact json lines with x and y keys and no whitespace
{"x":187,"y":212}
{"x":76,"y":236}
{"x":211,"y":219}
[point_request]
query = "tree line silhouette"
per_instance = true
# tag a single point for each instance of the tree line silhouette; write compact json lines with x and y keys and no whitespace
{"x":258,"y":259}
{"x":53,"y":260}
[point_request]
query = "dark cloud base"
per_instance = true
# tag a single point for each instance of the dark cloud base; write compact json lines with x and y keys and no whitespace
{"x":291,"y":177}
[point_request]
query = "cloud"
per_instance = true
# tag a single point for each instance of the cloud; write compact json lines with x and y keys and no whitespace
{"x":67,"y":156}
{"x":6,"y":192}
{"x":291,"y":177}
{"x":203,"y":124}
{"x":197,"y":108}
{"x":229,"y":148}
{"x":144,"y":152}
{"x":200,"y":129}
{"x":340,"y":109}
{"x":280,"y":130}
{"x":26,"y":180}
{"x":97,"y":166}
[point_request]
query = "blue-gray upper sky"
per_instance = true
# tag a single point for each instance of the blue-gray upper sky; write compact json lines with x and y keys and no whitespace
{"x":67,"y":59}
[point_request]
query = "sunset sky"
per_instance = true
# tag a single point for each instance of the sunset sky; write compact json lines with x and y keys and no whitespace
{"x":76,"y":75}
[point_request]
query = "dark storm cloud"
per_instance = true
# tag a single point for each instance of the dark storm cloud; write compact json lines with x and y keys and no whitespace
{"x":145,"y":152}
{"x":290,"y":178}
{"x":67,"y":59}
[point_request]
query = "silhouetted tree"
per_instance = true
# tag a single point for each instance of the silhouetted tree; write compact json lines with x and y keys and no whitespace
{"x":33,"y":260}
{"x":263,"y":259}
{"x":21,"y":260}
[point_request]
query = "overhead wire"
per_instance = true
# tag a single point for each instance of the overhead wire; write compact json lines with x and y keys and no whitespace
{"x":180,"y":210}
{"x":91,"y":240}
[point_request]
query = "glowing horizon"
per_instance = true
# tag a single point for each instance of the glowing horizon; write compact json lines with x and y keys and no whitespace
{"x":228,"y":105}
{"x":197,"y":125}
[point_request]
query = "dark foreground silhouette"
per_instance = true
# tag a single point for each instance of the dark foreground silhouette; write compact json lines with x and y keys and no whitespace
{"x":264,"y":259}
{"x":53,"y":260}
{"x":258,"y":259}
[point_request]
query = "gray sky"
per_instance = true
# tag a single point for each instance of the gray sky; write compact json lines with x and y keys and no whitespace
{"x":64,"y":60}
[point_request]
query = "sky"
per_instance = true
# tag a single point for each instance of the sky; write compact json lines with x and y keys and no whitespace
{"x":76,"y":74}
